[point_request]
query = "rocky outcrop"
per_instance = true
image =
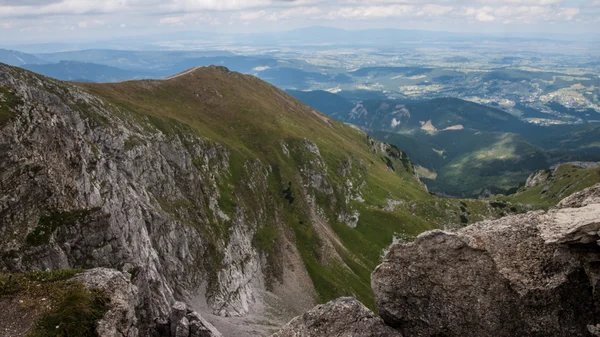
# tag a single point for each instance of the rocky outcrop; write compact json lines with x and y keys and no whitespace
{"x":183,"y":322}
{"x":82,"y":187}
{"x":583,"y":198}
{"x":538,"y":178}
{"x":524,"y":275}
{"x":344,"y":317}
{"x":120,"y":319}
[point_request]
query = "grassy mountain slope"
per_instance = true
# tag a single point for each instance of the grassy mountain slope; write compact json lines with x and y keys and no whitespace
{"x":469,"y":162}
{"x":463,"y":148}
{"x":441,"y":113}
{"x":253,"y":119}
{"x":554,"y":185}
{"x":581,"y":139}
{"x":296,"y":176}
{"x":257,"y":121}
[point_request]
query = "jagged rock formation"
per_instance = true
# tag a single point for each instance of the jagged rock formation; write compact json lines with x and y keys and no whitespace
{"x":73,"y":195}
{"x":538,"y":178}
{"x":547,"y":188}
{"x":184,"y":322}
{"x":344,"y":317}
{"x":120,"y":320}
{"x":524,"y":275}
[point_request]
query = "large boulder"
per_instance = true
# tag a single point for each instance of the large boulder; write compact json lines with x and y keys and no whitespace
{"x":184,"y":322}
{"x":344,"y":317}
{"x":538,"y":178}
{"x":525,"y":275}
{"x":120,"y":320}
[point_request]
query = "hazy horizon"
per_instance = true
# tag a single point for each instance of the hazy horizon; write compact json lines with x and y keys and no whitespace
{"x":51,"y":21}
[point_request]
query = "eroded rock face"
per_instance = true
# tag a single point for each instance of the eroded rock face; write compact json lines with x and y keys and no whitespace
{"x":538,"y":178}
{"x":524,"y":275}
{"x":344,"y":317}
{"x":183,"y":322}
{"x":120,"y":320}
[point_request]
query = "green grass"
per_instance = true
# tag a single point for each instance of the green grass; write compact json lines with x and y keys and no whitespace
{"x":132,"y":142}
{"x":48,"y":223}
{"x":73,"y":309}
{"x":75,"y":313}
{"x":564,"y":181}
{"x":8,"y":102}
{"x":11,"y":284}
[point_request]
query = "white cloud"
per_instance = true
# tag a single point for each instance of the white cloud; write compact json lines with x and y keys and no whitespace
{"x":86,"y":24}
{"x":189,"y":19}
{"x":371,"y":12}
{"x":279,"y":14}
{"x":484,"y":17}
{"x":160,"y":14}
{"x":78,"y":7}
{"x":522,"y":14}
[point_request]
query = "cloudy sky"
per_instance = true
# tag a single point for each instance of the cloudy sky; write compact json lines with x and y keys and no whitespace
{"x":52,"y":20}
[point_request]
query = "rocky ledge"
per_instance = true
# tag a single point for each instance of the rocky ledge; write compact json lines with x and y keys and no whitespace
{"x":531,"y":274}
{"x":344,"y":317}
{"x":120,"y":319}
{"x":184,"y":322}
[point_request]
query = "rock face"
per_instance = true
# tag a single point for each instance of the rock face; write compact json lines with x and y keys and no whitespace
{"x":183,"y":322}
{"x":344,"y":317}
{"x":538,"y":178}
{"x":120,"y":320}
{"x":82,"y":188}
{"x":525,"y":275}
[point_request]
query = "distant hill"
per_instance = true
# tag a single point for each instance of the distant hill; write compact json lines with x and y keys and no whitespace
{"x":15,"y":58}
{"x":409,"y":115}
{"x":243,"y":64}
{"x":84,"y":72}
{"x":377,"y":71}
{"x":462,"y":148}
{"x":437,"y":114}
{"x":471,"y":163}
{"x":285,"y":77}
{"x":547,"y":187}
{"x":131,"y":60}
{"x":324,"y":101}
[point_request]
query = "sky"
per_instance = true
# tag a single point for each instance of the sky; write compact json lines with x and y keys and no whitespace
{"x":35,"y":21}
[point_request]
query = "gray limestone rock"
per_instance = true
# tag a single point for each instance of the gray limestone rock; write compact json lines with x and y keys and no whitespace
{"x":538,"y":178}
{"x":524,"y":275}
{"x":120,"y":320}
{"x":344,"y":317}
{"x":183,"y":322}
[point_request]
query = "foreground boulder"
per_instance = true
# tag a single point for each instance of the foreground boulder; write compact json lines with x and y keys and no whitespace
{"x":183,"y":322}
{"x":120,"y":320}
{"x":524,"y":275}
{"x":344,"y":317}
